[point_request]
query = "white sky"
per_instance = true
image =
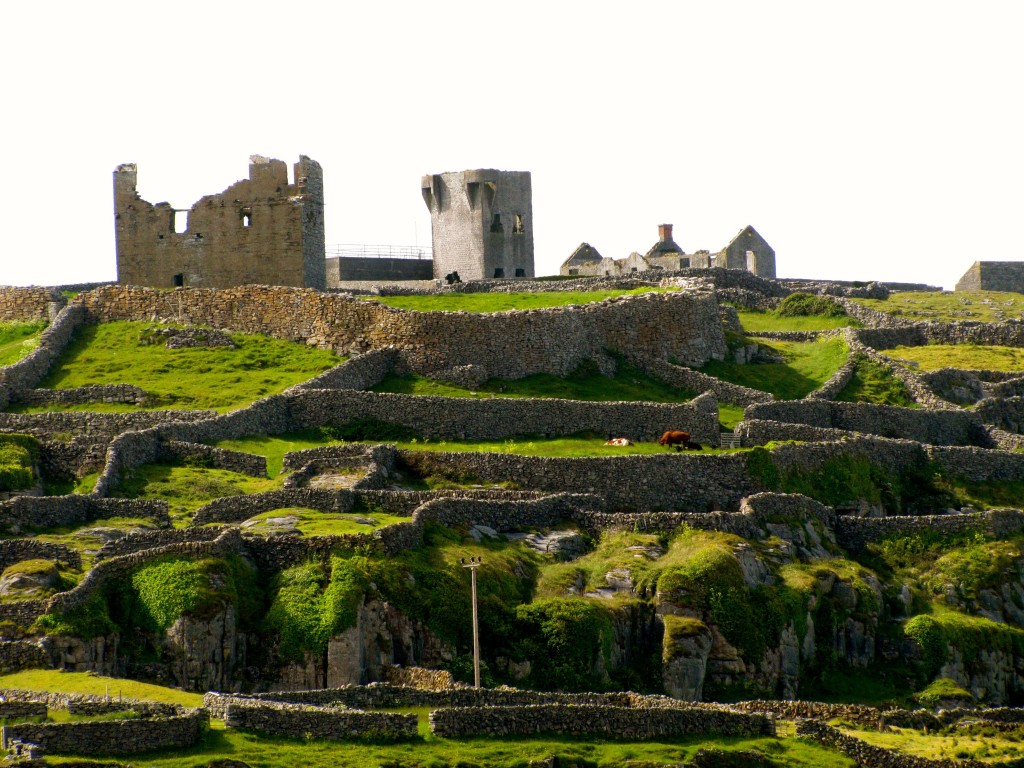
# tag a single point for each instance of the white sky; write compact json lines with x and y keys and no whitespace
{"x":869,"y":140}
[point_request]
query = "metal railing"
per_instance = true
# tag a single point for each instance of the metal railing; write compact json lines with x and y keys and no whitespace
{"x":350,"y":250}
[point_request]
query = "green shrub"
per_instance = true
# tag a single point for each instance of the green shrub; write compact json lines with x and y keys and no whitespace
{"x":803,"y":304}
{"x":563,"y":638}
{"x":89,"y":620}
{"x":942,"y":690}
{"x":18,"y":455}
{"x":931,"y":636}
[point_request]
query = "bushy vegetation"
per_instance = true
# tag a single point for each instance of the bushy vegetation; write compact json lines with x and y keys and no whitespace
{"x":808,"y":365}
{"x":848,"y":479}
{"x":18,"y":339}
{"x":500,"y":302}
{"x":874,"y":383}
{"x":18,"y":456}
{"x":585,"y":383}
{"x":801,"y":304}
{"x":205,"y":377}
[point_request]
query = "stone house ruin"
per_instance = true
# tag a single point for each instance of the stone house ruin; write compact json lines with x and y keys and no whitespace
{"x":481,"y":223}
{"x":993,"y":276}
{"x":748,"y":250}
{"x":261,"y":230}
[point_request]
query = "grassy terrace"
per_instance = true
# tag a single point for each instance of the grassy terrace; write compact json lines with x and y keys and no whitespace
{"x":757,"y":322}
{"x":17,"y":340}
{"x":500,"y":302}
{"x":186,"y":489}
{"x":219,"y":378}
{"x":984,"y":306}
{"x":931,"y":357}
{"x":585,"y":383}
{"x":276,"y":446}
{"x":808,"y":365}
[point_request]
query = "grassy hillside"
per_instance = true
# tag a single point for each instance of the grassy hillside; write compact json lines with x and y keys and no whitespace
{"x":931,"y":357}
{"x":808,"y":365}
{"x":17,"y":340}
{"x":945,"y":306}
{"x":499,"y":302}
{"x":214,"y":377}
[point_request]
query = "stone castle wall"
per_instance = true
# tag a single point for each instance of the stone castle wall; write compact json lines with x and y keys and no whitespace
{"x":261,"y":230}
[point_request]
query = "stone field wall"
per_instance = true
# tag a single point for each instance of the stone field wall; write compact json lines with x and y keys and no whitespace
{"x":923,"y":426}
{"x":296,"y":721}
{"x":28,"y":305}
{"x":112,"y":737}
{"x":40,"y":512}
{"x":607,"y":722}
{"x":679,"y":325}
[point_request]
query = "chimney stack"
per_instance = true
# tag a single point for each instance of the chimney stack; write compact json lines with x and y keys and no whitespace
{"x":664,"y":232}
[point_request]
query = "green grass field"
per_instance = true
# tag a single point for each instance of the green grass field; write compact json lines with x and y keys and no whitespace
{"x":310,"y":522}
{"x":185,"y":489}
{"x":931,"y":357}
{"x":984,"y":306}
{"x":757,"y":322}
{"x":17,"y":340}
{"x":584,"y":383}
{"x":873,"y":383}
{"x":500,"y":302}
{"x":808,"y":365}
{"x":218,"y":378}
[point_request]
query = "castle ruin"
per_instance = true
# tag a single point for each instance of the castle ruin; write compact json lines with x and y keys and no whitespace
{"x":261,"y":230}
{"x":481,"y":223}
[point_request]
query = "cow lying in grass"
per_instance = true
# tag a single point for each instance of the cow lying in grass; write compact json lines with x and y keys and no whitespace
{"x":618,"y":441}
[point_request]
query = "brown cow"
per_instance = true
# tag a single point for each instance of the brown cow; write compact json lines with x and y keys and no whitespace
{"x":674,"y":437}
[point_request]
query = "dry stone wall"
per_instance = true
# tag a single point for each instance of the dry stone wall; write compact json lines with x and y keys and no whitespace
{"x":95,"y":393}
{"x":112,"y":737}
{"x":41,"y":512}
{"x":870,"y":756}
{"x":17,"y":550}
{"x":498,"y":418}
{"x":607,"y":722}
{"x":689,"y":481}
{"x":677,"y":325}
{"x":924,"y":426}
{"x":95,"y":426}
{"x":28,"y":304}
{"x":16,"y":655}
{"x":29,"y":371}
{"x":695,"y":381}
{"x":296,"y":721}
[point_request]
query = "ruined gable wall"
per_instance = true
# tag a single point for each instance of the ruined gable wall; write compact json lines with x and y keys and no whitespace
{"x":993,"y":276}
{"x":259,"y":230}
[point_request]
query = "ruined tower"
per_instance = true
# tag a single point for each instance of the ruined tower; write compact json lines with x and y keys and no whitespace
{"x":261,"y":230}
{"x":481,"y":223}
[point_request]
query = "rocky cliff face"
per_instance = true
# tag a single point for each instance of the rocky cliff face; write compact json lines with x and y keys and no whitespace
{"x":382,"y":637}
{"x":204,"y":654}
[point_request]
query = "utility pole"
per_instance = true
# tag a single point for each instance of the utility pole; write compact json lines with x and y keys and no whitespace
{"x":473,"y":564}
